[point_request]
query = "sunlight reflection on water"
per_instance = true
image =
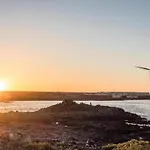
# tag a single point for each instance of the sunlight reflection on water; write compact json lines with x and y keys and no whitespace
{"x":140,"y":107}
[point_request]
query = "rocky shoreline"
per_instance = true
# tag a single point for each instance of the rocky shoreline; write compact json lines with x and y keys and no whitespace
{"x":75,"y":125}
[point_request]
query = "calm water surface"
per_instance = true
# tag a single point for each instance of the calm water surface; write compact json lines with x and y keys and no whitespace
{"x":140,"y":107}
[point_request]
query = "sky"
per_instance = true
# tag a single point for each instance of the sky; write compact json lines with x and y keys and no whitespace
{"x":75,"y":45}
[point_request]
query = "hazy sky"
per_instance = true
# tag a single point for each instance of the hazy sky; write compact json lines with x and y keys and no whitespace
{"x":75,"y":45}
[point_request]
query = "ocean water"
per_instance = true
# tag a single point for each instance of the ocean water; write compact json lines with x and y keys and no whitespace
{"x":140,"y":107}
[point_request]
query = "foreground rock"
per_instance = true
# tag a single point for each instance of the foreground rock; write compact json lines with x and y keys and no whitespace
{"x":77,"y":125}
{"x":101,"y":124}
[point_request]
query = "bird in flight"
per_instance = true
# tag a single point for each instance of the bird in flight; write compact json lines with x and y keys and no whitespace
{"x":144,"y":68}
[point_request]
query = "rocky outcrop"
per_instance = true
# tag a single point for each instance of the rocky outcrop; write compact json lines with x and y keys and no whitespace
{"x":99,"y":123}
{"x":81,"y":125}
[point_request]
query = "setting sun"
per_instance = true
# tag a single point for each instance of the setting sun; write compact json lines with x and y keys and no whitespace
{"x":2,"y":86}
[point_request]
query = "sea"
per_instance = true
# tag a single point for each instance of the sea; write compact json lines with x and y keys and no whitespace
{"x":139,"y":107}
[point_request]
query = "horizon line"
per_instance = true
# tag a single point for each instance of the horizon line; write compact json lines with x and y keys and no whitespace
{"x":33,"y":91}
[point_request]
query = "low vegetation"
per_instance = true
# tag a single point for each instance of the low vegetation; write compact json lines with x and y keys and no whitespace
{"x":130,"y":145}
{"x":17,"y":145}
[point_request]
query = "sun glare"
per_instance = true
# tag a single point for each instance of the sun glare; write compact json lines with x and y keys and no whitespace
{"x":2,"y":86}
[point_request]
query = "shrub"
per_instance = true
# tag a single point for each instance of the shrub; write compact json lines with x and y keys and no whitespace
{"x":130,"y":145}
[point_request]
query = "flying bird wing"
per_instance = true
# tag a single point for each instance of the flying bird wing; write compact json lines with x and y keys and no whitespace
{"x":144,"y":68}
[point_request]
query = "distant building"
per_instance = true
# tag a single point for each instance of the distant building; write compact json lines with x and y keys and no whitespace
{"x":120,"y":94}
{"x":132,"y":96}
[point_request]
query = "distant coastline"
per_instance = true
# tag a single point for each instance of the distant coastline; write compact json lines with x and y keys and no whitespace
{"x":80,"y":96}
